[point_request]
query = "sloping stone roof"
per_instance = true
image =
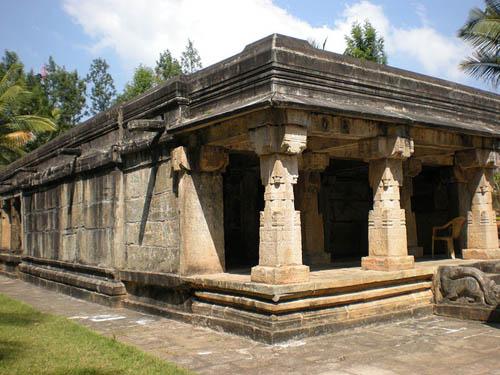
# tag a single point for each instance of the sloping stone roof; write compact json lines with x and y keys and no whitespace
{"x":281,"y":71}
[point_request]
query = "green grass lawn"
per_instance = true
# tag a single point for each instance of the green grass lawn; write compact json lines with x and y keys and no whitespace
{"x":35,"y":343}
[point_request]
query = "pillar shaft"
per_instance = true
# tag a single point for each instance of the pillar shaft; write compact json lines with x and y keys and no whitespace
{"x":482,"y":235}
{"x":308,"y":188}
{"x":280,"y":244}
{"x":387,"y":239}
{"x":200,"y":204}
{"x":411,"y":168}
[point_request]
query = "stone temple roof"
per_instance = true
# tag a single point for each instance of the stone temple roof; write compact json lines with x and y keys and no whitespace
{"x":280,"y":71}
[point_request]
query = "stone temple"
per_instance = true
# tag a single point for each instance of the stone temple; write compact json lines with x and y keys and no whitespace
{"x":283,"y":192}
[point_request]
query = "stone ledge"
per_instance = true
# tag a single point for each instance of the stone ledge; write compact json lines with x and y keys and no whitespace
{"x":483,"y":314}
{"x":311,"y":303}
{"x":74,"y":291}
{"x":273,"y":329}
{"x":93,"y":284}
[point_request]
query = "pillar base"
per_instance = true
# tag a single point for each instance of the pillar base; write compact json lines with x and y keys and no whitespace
{"x":481,"y":253}
{"x":416,"y":251}
{"x":378,"y":263}
{"x":280,"y":275}
{"x":317,"y":258}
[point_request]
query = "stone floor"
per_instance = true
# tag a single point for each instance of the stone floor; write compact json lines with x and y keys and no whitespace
{"x":428,"y":345}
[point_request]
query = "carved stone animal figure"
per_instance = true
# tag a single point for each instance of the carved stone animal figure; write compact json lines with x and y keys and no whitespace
{"x":467,"y":285}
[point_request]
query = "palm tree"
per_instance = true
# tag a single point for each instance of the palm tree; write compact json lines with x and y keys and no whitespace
{"x":482,"y":31}
{"x":16,"y":129}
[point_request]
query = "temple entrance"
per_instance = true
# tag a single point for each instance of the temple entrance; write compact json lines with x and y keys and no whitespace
{"x":345,"y":199}
{"x":243,"y":201}
{"x":435,"y":202}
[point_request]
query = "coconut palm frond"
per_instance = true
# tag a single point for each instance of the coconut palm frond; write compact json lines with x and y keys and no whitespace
{"x":33,"y":124}
{"x":10,"y":78}
{"x":19,"y":138}
{"x":482,"y":65}
{"x":10,"y":95}
{"x":482,"y":31}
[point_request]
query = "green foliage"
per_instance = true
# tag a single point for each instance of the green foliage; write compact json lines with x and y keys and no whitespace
{"x":102,"y":86}
{"x":190,"y":59}
{"x":66,"y":92}
{"x":143,"y":80}
{"x":35,"y":343}
{"x":364,"y":43}
{"x":167,"y":66}
{"x":17,"y":125}
{"x":482,"y":31}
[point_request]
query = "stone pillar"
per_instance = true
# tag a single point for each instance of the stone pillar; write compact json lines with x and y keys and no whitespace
{"x":387,"y":241}
{"x":280,"y":244}
{"x":5,"y":223}
{"x":201,"y":209}
{"x":482,"y":237}
{"x":411,"y":168}
{"x":308,"y":187}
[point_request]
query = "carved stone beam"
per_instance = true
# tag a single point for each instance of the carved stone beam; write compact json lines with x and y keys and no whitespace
{"x":76,"y":151}
{"x":146,"y":125}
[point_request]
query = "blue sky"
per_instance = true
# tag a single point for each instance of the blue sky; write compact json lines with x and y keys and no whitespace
{"x":420,"y":34}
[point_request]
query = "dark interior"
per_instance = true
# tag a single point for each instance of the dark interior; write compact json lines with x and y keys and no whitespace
{"x":345,"y":200}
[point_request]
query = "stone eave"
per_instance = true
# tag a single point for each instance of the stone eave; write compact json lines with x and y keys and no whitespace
{"x":283,"y":71}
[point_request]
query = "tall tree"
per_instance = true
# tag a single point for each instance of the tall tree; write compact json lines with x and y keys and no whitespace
{"x":102,"y":86}
{"x":66,"y":92}
{"x":364,"y":43}
{"x":190,"y":59}
{"x":16,"y":127}
{"x":482,"y":31}
{"x":143,"y":80}
{"x":167,"y":66}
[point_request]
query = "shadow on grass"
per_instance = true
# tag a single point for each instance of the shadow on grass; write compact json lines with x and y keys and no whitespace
{"x":10,"y":350}
{"x":85,"y":371}
{"x":19,"y":319}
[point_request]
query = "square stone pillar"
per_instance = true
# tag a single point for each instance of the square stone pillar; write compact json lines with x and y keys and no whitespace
{"x":411,"y":168}
{"x":201,"y":209}
{"x":387,"y":239}
{"x":308,"y":187}
{"x":482,"y":236}
{"x":280,"y":244}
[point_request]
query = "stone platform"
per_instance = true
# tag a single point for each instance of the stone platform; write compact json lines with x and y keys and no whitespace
{"x":333,"y":299}
{"x":336,"y":297}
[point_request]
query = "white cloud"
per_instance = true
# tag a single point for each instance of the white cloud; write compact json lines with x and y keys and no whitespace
{"x":139,"y":30}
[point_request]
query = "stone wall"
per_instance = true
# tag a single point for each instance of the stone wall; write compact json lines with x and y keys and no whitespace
{"x":73,"y":221}
{"x":110,"y":218}
{"x":151,"y":218}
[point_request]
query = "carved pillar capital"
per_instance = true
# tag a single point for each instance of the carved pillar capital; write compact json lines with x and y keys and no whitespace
{"x":392,"y":147}
{"x":205,"y":159}
{"x":285,"y":139}
{"x":477,"y":158}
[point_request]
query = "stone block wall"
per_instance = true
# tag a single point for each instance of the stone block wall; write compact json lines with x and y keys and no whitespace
{"x":73,"y":221}
{"x":151,"y":222}
{"x":108,"y":218}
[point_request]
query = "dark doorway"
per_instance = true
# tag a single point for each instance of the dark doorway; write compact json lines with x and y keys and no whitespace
{"x":434,"y":202}
{"x":346,"y":199}
{"x":243,"y":201}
